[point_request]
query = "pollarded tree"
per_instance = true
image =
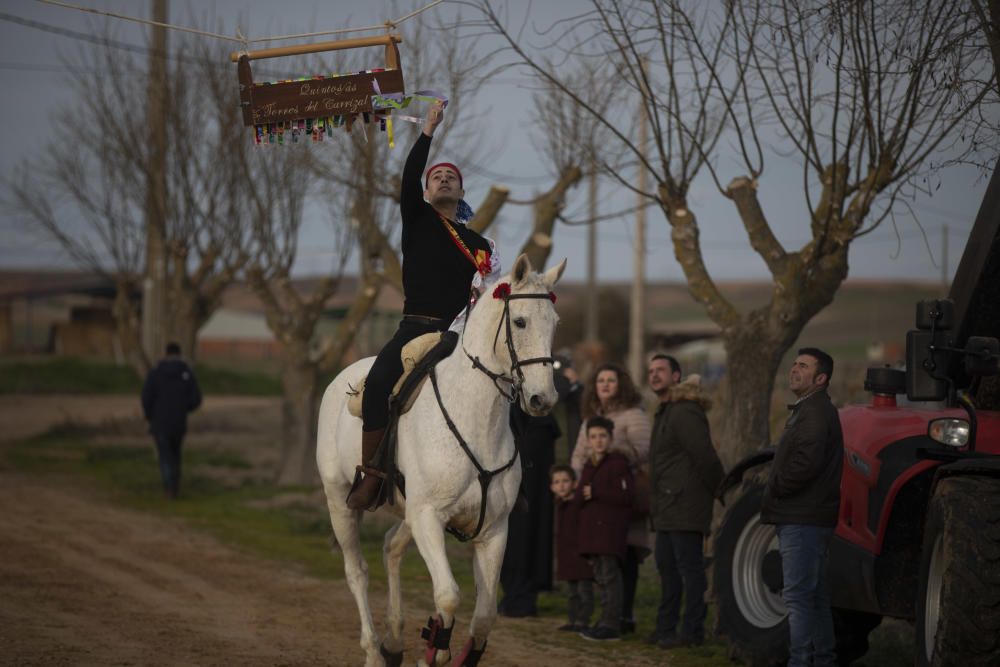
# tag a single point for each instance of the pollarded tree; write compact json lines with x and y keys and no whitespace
{"x":87,"y":190}
{"x":862,"y":95}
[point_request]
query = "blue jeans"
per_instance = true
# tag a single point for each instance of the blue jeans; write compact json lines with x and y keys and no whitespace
{"x":680,"y":562}
{"x":806,"y":591}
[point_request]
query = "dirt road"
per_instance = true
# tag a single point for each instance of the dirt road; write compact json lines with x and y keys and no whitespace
{"x":86,"y":583}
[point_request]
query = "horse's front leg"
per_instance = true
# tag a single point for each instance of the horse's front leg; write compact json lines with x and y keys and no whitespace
{"x":486,"y":563}
{"x":428,"y":532}
{"x":396,"y":541}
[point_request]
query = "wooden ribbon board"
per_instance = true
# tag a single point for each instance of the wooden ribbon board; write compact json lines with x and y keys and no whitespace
{"x":316,"y":98}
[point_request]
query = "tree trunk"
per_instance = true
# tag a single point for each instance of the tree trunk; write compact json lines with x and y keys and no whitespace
{"x":183,"y":325}
{"x":127,"y":329}
{"x":755,"y":348}
{"x":188,"y":313}
{"x":348,"y":328}
{"x":752,"y":362}
{"x":547,"y":209}
{"x":299,"y":411}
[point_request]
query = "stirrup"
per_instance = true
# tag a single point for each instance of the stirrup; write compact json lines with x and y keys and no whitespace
{"x":375,"y":472}
{"x":378,"y":499}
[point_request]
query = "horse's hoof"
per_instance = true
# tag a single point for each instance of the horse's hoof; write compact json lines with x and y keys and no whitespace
{"x":469,"y":656}
{"x":391,"y":659}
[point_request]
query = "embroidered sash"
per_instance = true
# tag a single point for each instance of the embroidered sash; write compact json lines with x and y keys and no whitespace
{"x":480,"y":260}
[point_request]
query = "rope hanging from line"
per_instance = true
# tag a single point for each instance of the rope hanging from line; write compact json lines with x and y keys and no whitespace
{"x":239,"y":39}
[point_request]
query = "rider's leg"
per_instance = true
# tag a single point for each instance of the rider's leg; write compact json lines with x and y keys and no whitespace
{"x":363,"y":495}
{"x":382,"y":376}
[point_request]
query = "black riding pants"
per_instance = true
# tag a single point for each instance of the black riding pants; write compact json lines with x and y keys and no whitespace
{"x":387,"y":368}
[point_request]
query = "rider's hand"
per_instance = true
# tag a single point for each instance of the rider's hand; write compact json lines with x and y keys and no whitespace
{"x":434,"y":117}
{"x":586,"y":492}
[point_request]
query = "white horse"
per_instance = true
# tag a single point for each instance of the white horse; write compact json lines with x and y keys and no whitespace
{"x":506,"y":345}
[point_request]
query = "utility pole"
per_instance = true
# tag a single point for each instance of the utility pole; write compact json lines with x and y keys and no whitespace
{"x":155,"y":280}
{"x":637,"y":312}
{"x":590,"y":324}
{"x":944,"y":258}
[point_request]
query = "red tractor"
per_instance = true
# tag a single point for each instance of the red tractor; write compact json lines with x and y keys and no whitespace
{"x":918,"y":537}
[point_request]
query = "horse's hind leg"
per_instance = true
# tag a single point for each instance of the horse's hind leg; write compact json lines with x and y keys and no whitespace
{"x":428,"y":532}
{"x":486,"y":562}
{"x":396,"y":541}
{"x":345,"y":526}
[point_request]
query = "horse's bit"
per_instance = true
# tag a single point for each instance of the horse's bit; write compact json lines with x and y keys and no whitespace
{"x":516,"y":379}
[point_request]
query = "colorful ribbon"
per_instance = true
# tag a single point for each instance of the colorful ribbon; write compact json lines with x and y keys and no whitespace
{"x":398,"y":102}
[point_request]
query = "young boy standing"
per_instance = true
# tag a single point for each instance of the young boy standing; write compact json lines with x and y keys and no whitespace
{"x":604,"y":495}
{"x":571,"y":567}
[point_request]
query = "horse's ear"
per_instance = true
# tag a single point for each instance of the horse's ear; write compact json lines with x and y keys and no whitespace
{"x":552,"y":276}
{"x":522,"y":267}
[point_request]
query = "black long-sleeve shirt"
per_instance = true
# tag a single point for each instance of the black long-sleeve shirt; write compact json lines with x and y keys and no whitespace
{"x":437,"y":275}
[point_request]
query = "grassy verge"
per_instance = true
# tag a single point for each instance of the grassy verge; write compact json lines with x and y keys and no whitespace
{"x":291,"y":528}
{"x":67,"y":375}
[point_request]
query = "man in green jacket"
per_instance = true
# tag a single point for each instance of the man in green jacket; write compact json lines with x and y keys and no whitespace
{"x":685,"y":471}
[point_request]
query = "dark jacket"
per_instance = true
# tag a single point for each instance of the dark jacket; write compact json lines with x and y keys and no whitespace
{"x":570,"y":565}
{"x":527,"y":561}
{"x":684,"y":467}
{"x":437,"y":274}
{"x":804,"y":483}
{"x":604,"y":519}
{"x":168,"y":395}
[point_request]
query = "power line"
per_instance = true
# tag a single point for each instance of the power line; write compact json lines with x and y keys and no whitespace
{"x":106,"y":43}
{"x":239,"y":38}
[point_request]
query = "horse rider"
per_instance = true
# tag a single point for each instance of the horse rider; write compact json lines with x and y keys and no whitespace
{"x":442,"y":261}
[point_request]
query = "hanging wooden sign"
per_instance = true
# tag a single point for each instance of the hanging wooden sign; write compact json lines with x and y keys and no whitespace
{"x":316,"y":104}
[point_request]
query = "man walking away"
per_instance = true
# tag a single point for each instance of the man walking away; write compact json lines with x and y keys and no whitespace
{"x":802,"y":499}
{"x":685,"y":471}
{"x":169,"y":393}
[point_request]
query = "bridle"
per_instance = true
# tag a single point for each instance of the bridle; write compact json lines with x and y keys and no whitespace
{"x":515,"y":380}
{"x":516,"y":376}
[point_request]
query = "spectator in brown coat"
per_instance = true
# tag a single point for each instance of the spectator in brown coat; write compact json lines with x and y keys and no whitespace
{"x":571,"y":567}
{"x":605,"y":498}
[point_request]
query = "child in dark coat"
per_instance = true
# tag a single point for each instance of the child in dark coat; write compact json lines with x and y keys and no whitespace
{"x":571,"y":567}
{"x":604,"y":495}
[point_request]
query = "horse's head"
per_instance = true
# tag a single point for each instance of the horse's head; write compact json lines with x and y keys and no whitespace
{"x":514,"y":329}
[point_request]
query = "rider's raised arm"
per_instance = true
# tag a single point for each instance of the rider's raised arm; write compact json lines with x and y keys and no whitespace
{"x":411,"y":195}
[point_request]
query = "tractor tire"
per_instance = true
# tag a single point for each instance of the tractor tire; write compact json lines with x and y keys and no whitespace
{"x":958,"y":603}
{"x":745,"y":584}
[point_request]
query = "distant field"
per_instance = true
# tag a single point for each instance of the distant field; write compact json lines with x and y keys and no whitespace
{"x":862,"y":313}
{"x":64,"y":375}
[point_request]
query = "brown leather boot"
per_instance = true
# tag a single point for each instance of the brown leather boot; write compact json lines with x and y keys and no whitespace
{"x":364,"y":493}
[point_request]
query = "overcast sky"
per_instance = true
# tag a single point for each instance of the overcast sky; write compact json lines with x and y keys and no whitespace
{"x":32,"y":78}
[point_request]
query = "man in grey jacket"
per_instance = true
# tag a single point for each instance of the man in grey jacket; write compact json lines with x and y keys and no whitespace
{"x":685,"y":470}
{"x":802,"y":500}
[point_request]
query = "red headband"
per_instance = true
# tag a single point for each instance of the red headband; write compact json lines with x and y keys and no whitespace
{"x":439,"y":165}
